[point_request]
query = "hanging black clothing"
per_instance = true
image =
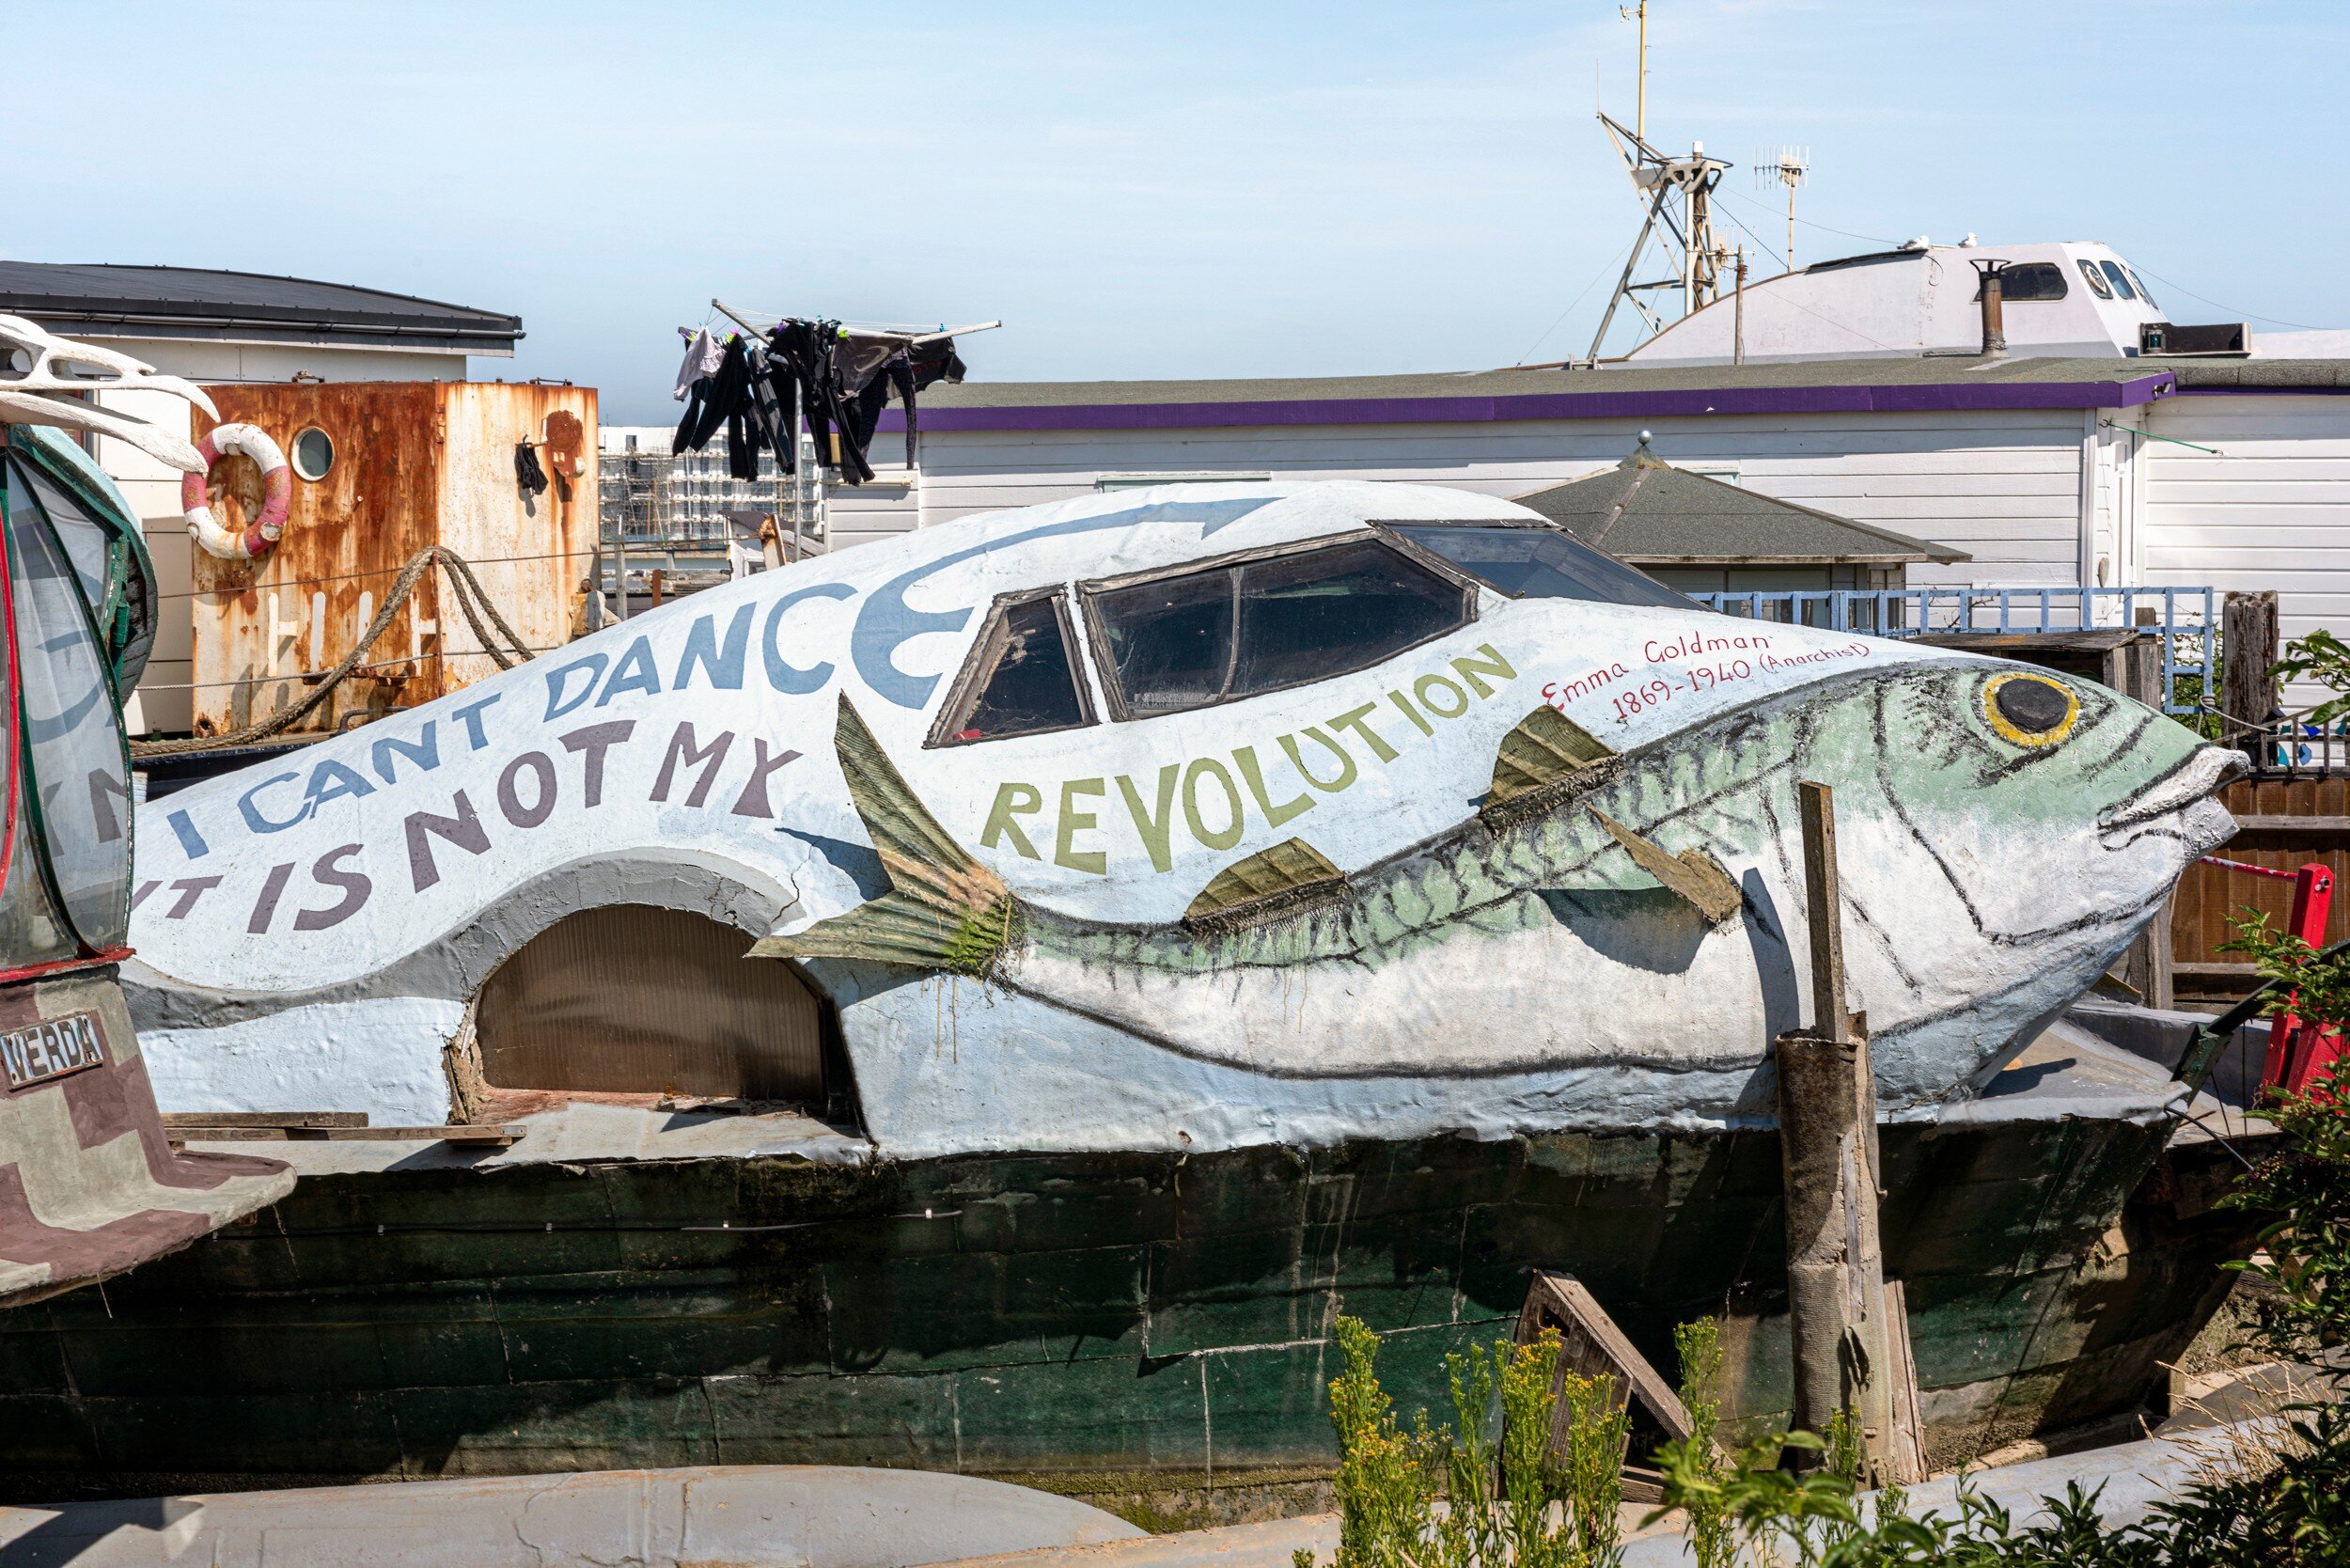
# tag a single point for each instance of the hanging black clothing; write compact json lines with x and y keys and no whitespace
{"x":880,"y":365}
{"x":716,"y":398}
{"x":528,"y":473}
{"x":770,"y":408}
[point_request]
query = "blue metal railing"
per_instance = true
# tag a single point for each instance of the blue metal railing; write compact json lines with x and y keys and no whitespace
{"x":2185,"y":618}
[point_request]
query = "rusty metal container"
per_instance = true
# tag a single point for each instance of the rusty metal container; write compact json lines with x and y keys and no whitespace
{"x":406,"y":465}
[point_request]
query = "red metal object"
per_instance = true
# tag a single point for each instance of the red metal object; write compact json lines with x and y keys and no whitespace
{"x":2249,"y":868}
{"x":2299,"y":1048}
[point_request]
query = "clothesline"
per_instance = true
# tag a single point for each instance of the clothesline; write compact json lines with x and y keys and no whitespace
{"x":862,"y":329}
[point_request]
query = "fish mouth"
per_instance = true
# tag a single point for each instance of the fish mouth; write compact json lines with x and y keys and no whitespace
{"x":2182,"y":788}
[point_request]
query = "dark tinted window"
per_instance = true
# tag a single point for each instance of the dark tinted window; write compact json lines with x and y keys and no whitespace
{"x":2097,"y":284}
{"x":2120,"y":279}
{"x":1029,"y":685}
{"x":1305,"y":618}
{"x":2143,"y":292}
{"x":1262,"y":626}
{"x":1170,"y":642}
{"x":2029,"y":280}
{"x":1539,"y":563}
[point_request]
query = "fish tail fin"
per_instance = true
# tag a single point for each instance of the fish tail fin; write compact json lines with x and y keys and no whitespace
{"x":944,"y":910}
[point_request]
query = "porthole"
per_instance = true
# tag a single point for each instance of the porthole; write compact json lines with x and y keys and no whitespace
{"x":313,"y":453}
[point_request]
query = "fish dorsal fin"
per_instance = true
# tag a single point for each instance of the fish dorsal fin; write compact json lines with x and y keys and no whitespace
{"x":1290,"y":876}
{"x":1695,"y":876}
{"x":1546,"y":749}
{"x":944,"y":910}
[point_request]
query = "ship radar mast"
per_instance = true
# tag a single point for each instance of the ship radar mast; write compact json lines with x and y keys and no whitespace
{"x":1680,"y":220}
{"x":1678,"y":193}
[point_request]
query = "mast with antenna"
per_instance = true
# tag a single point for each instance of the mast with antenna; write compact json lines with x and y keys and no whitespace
{"x":1640,"y":79}
{"x":1787,"y":166}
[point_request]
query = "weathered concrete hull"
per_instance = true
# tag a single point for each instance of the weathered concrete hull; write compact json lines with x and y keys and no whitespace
{"x":1111,"y":1321}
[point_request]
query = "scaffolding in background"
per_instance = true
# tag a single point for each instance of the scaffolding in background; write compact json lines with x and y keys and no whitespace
{"x":670,"y":524}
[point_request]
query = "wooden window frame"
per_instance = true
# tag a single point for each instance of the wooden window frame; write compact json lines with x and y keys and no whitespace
{"x":980,"y":662}
{"x":1097,"y":635}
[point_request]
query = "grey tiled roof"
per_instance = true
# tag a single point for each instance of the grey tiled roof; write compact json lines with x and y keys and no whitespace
{"x":1650,"y":514}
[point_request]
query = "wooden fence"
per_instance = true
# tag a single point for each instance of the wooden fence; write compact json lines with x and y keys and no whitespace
{"x":2283,"y":822}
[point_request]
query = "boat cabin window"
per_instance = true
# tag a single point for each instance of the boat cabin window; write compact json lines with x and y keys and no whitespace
{"x":2120,"y":279}
{"x":80,"y":803}
{"x":2029,"y":280}
{"x":2097,"y":285}
{"x":1021,"y":679}
{"x":2143,"y":292}
{"x":1249,"y":627}
{"x":1529,"y":561}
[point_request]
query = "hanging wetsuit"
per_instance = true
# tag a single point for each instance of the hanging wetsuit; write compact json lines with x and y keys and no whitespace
{"x":716,"y":400}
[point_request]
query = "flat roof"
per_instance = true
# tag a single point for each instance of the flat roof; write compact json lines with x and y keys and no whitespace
{"x":1611,"y":392}
{"x":108,"y":300}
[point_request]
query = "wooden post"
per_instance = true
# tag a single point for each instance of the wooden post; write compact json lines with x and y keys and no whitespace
{"x":1836,"y":1297}
{"x":2247,"y":646}
{"x":2134,"y":669}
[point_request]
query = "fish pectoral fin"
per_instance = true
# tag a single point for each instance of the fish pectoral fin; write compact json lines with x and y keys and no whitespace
{"x":1696,"y":876}
{"x":944,"y":910}
{"x":1545,"y":757}
{"x":1288,"y":879}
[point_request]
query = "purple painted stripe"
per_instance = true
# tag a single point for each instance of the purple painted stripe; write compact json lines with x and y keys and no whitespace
{"x":1933,"y":398}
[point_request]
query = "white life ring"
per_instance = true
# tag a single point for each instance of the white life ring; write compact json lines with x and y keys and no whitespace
{"x":278,"y":496}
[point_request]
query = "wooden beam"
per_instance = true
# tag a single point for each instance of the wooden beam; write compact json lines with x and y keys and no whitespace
{"x":1590,"y":1345}
{"x":198,"y":1133}
{"x":2298,"y":827}
{"x":2100,"y":640}
{"x":265,"y":1119}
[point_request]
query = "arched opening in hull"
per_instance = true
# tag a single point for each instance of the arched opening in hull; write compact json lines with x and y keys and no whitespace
{"x":633,"y":999}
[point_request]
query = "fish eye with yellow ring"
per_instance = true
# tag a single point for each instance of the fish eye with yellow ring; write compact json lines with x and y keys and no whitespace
{"x":2029,"y":709}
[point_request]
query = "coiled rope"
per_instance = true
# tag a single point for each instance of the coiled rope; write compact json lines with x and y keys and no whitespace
{"x":471,"y":599}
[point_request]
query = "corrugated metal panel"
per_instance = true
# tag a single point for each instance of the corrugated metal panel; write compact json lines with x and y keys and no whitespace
{"x":415,"y":463}
{"x":636,"y":1000}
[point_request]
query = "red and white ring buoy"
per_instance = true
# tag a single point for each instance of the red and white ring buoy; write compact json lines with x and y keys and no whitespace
{"x":277,"y":497}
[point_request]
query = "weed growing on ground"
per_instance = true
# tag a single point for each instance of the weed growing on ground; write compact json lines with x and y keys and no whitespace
{"x":1492,"y":1491}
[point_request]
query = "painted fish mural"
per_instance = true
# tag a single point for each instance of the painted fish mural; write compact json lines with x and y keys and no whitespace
{"x":1198,"y":817}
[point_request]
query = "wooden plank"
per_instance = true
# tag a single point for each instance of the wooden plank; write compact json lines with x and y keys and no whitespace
{"x":2297,"y":826}
{"x":2098,"y":641}
{"x":1908,"y":1455}
{"x":1590,"y":1345}
{"x":265,"y":1119}
{"x":511,"y":1133}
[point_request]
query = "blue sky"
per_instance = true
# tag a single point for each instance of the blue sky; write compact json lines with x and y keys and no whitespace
{"x":1206,"y":189}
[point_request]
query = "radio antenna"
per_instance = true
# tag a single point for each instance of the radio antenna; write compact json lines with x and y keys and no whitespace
{"x":1789,"y":166}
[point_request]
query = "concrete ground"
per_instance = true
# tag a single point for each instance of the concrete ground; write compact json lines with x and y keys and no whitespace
{"x":712,"y":1516}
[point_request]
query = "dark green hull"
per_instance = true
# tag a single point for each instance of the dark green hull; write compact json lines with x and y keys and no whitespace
{"x":1093,"y":1318}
